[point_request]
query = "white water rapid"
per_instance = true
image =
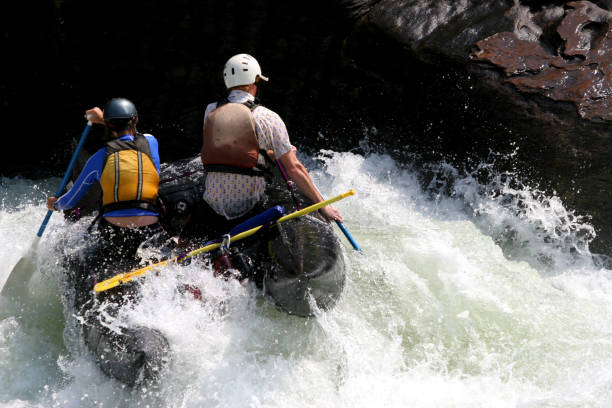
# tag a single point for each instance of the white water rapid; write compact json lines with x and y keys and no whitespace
{"x":467,"y":295}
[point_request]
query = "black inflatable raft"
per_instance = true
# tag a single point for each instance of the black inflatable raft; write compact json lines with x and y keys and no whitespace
{"x":299,"y":264}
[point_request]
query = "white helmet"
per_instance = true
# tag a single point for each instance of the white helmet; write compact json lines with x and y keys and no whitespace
{"x":241,"y":69}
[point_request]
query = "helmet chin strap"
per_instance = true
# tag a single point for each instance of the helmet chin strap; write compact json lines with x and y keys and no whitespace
{"x":131,"y":130}
{"x":257,"y":93}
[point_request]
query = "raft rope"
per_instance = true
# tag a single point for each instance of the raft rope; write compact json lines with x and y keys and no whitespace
{"x":290,"y":184}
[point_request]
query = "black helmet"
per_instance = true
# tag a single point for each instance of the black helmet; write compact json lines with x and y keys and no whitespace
{"x":119,"y":109}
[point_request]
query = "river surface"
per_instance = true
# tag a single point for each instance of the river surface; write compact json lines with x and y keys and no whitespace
{"x":472,"y":292}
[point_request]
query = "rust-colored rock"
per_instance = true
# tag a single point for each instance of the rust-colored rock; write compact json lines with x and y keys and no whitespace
{"x":516,"y":56}
{"x":581,"y":73}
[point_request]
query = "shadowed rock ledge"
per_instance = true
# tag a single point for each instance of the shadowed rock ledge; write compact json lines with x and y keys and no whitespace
{"x":535,"y":75}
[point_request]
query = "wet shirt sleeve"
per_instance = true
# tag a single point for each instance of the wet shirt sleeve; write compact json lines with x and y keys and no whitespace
{"x":271,"y":132}
{"x":211,"y":107}
{"x":154,"y":146}
{"x":89,"y":175}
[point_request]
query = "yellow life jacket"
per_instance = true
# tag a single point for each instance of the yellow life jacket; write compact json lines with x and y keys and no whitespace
{"x":129,"y":178}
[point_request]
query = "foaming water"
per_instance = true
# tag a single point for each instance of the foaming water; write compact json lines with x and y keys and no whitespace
{"x":469,"y":294}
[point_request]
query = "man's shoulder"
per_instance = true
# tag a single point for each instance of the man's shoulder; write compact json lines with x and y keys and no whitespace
{"x":265,"y":112}
{"x":100,"y":153}
{"x":210,"y":107}
{"x":149,"y":137}
{"x":153,"y":143}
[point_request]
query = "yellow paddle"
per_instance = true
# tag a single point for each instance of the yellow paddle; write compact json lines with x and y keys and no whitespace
{"x":126,"y":277}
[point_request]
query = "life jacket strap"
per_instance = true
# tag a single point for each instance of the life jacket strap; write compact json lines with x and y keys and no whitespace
{"x":267,"y":159}
{"x":124,"y":205}
{"x":246,"y":171}
{"x":139,"y":143}
{"x":248,"y":103}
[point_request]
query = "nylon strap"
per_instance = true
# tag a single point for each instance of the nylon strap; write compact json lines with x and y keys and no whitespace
{"x":124,"y":205}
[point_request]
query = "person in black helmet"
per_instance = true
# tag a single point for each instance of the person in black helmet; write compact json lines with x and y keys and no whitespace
{"x":127,"y":169}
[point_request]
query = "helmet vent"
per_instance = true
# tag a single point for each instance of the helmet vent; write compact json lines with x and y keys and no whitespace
{"x":241,"y":69}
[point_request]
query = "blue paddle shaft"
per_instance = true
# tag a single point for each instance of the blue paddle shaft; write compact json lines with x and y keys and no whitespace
{"x":342,"y":227}
{"x":348,"y":236}
{"x":75,"y":155}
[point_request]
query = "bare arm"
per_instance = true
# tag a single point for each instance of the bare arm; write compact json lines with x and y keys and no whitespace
{"x":300,"y":176}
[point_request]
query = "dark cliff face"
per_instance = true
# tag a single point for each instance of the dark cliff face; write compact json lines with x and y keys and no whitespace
{"x":167,"y":57}
{"x":333,"y":77}
{"x":438,"y":78}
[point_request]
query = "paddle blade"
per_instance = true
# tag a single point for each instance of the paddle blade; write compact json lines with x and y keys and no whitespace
{"x":17,"y":282}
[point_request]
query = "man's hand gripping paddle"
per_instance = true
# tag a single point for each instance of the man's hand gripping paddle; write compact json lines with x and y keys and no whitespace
{"x":345,"y":231}
{"x":18,"y":279}
{"x":126,"y":277}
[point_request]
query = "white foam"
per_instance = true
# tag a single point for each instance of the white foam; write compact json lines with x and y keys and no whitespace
{"x":442,"y":310}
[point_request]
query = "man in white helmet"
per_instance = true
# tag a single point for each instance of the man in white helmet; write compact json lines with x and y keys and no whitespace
{"x":237,"y":134}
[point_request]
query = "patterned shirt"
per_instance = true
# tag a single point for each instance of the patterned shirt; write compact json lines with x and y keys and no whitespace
{"x":233,"y":195}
